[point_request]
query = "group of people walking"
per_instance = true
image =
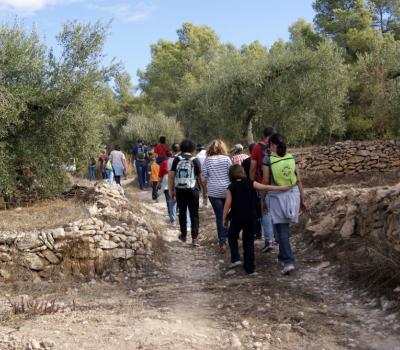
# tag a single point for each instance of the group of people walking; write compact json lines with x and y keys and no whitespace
{"x":251,"y":193}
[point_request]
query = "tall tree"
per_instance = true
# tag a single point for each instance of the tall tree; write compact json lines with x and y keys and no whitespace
{"x":176,"y":65}
{"x":386,"y":15}
{"x":347,"y":22}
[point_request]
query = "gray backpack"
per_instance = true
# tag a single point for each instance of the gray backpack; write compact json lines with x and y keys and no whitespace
{"x":185,"y":178}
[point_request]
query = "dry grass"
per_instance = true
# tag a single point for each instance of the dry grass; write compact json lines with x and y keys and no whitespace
{"x":32,"y":307}
{"x":46,"y":214}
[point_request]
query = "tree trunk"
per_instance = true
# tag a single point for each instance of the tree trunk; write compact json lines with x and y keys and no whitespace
{"x":248,"y":123}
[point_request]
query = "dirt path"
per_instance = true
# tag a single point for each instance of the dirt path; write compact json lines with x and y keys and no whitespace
{"x":193,"y":301}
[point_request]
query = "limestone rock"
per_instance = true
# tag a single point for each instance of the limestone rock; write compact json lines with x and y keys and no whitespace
{"x":28,"y":240}
{"x":7,"y":237}
{"x":58,"y":233}
{"x":105,"y":244}
{"x":324,"y":227}
{"x":4,"y":257}
{"x":32,"y":261}
{"x":51,"y":257}
{"x":122,"y":253}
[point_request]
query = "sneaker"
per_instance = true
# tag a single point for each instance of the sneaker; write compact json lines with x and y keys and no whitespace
{"x":182,"y":238}
{"x":287,"y":269}
{"x":253,"y":274}
{"x":267,"y":247}
{"x":236,"y":264}
{"x":195,"y":242}
{"x":280,"y":263}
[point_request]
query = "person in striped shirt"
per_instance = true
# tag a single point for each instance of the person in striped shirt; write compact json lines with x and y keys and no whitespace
{"x":215,"y":173}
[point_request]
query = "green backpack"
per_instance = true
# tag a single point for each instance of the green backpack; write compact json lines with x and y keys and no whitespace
{"x":284,"y":170}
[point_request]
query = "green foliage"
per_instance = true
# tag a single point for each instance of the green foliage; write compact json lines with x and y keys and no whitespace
{"x":378,"y":74}
{"x":49,"y":110}
{"x":149,"y":129}
{"x":386,"y":15}
{"x":346,"y":22}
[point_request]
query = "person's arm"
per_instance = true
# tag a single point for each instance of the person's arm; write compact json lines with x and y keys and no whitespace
{"x":301,"y":189}
{"x":262,"y":187}
{"x":171,"y":181}
{"x":171,"y":184}
{"x":124,"y":161}
{"x":253,"y":163}
{"x":203,"y":178}
{"x":253,"y":169}
{"x":227,"y":207}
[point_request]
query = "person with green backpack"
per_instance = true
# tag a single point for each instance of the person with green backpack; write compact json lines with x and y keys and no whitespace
{"x":280,"y":169}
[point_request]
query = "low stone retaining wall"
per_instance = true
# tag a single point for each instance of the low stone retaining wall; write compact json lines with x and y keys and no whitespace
{"x":356,"y":212}
{"x":115,"y":237}
{"x":351,"y":157}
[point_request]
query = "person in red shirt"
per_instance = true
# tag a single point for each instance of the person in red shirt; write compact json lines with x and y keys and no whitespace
{"x":260,"y":150}
{"x":161,"y":149}
{"x":257,"y":155}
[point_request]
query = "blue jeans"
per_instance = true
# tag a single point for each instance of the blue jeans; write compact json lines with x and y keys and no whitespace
{"x":171,"y":206}
{"x":110,"y":175}
{"x":268,"y":228}
{"x":218,"y":206}
{"x":141,"y":170}
{"x":285,"y":250}
{"x":92,"y":170}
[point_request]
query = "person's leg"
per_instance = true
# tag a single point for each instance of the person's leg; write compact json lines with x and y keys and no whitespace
{"x":117,"y":179}
{"x":248,"y":247}
{"x":268,"y":229}
{"x":182,"y":202}
{"x":139,"y":172}
{"x":193,"y":205}
{"x":147,"y":174}
{"x":169,"y":206}
{"x":285,"y":251}
{"x":154,"y":190}
{"x":233,"y":237}
{"x":218,"y":207}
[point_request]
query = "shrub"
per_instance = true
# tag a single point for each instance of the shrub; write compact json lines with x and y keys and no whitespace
{"x":149,"y":129}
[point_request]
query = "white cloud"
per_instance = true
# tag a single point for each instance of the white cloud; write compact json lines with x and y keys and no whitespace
{"x":28,"y":7}
{"x":125,"y":11}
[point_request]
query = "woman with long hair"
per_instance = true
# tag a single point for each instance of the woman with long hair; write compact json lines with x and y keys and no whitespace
{"x":215,"y":175}
{"x":280,"y":169}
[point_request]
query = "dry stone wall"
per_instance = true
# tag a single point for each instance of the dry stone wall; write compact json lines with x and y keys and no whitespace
{"x":372,"y":214}
{"x":351,"y":157}
{"x":115,"y":237}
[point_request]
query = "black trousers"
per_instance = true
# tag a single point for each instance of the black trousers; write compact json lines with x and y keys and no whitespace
{"x":188,"y":199}
{"x":248,"y":227}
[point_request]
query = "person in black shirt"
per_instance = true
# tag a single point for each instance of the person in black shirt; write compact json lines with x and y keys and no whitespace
{"x":247,"y":162}
{"x":246,"y":166}
{"x":241,"y":211}
{"x":184,"y":188}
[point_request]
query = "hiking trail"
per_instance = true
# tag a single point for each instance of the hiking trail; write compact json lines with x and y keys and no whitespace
{"x":194,"y":301}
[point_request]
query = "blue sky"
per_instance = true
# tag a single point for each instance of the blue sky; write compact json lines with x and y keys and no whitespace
{"x":139,"y":23}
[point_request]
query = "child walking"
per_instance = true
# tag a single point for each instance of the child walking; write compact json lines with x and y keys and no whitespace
{"x":154,"y":177}
{"x":241,"y":211}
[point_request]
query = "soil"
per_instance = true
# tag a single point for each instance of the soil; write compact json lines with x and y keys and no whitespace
{"x":190,"y":299}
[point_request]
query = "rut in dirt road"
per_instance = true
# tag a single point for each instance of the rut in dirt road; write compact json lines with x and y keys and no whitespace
{"x":220,"y":308}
